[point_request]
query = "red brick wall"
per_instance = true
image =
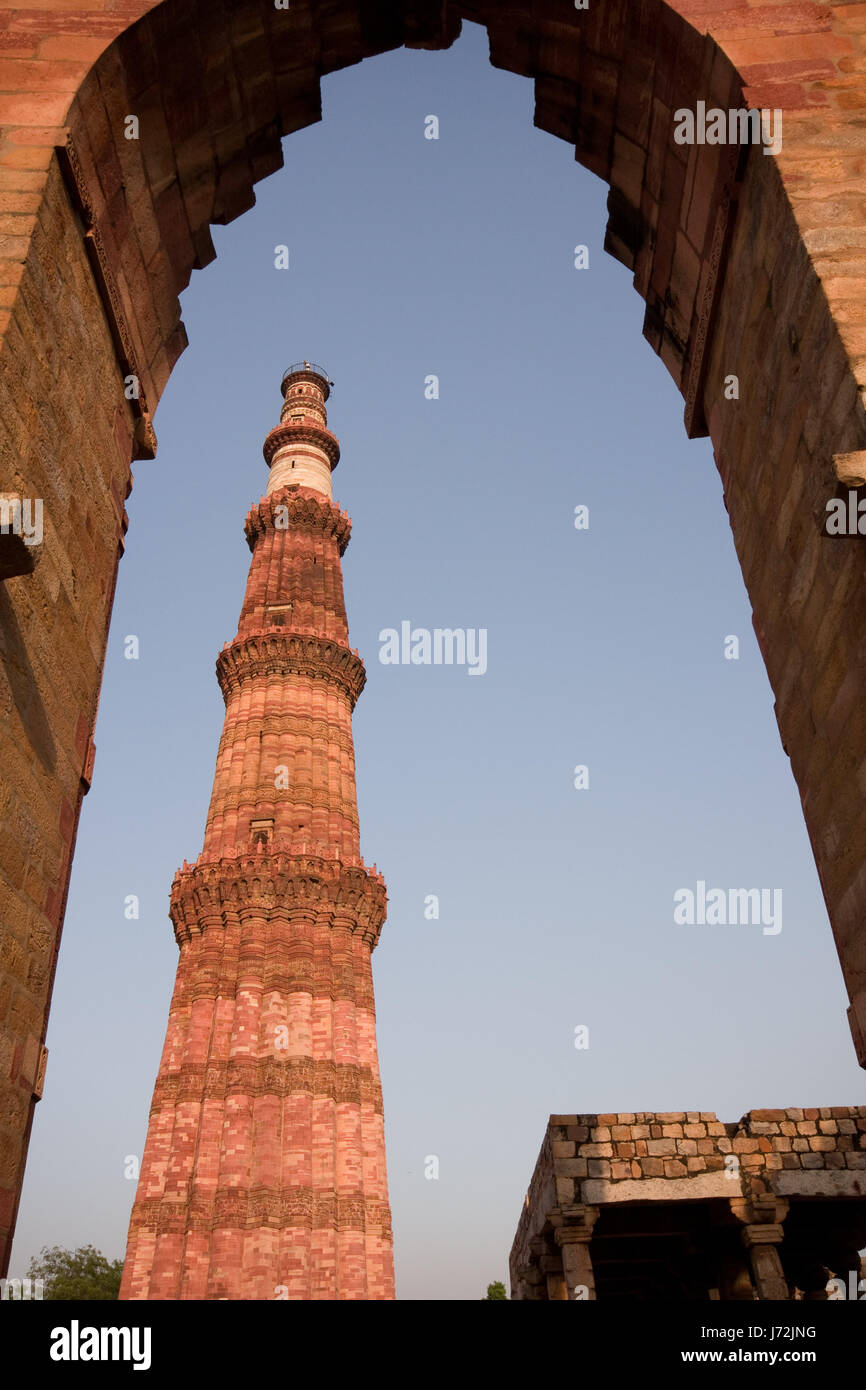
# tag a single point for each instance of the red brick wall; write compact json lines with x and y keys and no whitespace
{"x":755,"y":271}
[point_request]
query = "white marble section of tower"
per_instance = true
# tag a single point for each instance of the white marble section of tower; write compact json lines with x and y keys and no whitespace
{"x":302,"y":450}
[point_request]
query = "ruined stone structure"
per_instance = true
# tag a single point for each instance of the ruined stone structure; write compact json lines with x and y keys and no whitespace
{"x":263,"y":1174}
{"x":680,"y":1207}
{"x":750,"y":265}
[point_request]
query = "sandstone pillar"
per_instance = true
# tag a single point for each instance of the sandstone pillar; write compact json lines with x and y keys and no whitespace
{"x":532,"y":1284}
{"x":263,"y":1174}
{"x":573,"y":1233}
{"x":547,"y":1258}
{"x":762,"y":1234}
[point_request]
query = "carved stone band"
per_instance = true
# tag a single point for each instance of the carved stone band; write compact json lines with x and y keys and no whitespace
{"x":275,"y":653}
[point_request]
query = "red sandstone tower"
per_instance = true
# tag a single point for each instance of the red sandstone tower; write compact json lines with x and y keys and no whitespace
{"x":264,"y":1169}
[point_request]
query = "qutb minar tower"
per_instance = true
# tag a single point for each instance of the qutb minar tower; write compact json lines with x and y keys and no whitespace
{"x":263,"y":1175}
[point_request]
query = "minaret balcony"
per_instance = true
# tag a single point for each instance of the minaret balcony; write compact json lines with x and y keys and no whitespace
{"x":273,"y":651}
{"x":302,"y":432}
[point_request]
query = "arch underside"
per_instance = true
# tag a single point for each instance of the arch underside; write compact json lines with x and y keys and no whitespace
{"x":748,"y":265}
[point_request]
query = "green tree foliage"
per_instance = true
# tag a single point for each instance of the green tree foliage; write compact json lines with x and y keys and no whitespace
{"x":496,"y":1290}
{"x":76,"y":1274}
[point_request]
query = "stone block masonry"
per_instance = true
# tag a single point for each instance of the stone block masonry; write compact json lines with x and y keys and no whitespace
{"x":678,"y":1205}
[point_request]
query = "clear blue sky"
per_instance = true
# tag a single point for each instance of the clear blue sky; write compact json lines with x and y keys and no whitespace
{"x":605,"y":647}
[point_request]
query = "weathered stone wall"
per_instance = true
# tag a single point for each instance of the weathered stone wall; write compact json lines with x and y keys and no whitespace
{"x":593,"y":1153}
{"x":759,"y":1166}
{"x":800,"y":407}
{"x":64,"y":437}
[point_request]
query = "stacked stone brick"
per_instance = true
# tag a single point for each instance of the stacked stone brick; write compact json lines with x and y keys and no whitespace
{"x":263,"y":1174}
{"x":679,"y":1144}
{"x":759,"y":1167}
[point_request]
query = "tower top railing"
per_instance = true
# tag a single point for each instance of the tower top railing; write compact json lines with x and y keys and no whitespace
{"x":308,"y":367}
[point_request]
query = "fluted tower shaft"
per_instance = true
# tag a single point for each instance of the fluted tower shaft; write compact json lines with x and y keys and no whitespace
{"x":263,"y":1173}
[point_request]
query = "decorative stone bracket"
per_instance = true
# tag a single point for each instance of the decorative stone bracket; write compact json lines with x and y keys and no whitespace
{"x":573,"y":1227}
{"x":762,"y":1234}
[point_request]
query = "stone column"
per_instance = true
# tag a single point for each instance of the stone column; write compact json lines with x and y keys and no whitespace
{"x":573,"y":1233}
{"x":546,"y":1258}
{"x":530,"y":1282}
{"x":762,"y":1233}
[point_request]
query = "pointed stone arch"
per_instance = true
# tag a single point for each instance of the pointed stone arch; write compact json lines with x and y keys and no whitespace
{"x":750,"y":267}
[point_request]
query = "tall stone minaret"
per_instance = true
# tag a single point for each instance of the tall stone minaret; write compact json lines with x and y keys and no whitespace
{"x":263,"y":1174}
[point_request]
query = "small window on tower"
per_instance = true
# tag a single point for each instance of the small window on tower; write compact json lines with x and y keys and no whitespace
{"x":262,"y":831}
{"x":278,"y":613}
